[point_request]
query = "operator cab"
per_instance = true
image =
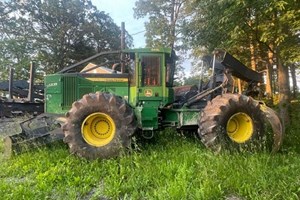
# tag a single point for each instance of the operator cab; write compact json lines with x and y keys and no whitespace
{"x":151,"y":73}
{"x":151,"y":80}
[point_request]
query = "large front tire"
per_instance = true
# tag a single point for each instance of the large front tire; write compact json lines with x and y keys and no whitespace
{"x":99,"y":125}
{"x":231,"y":120}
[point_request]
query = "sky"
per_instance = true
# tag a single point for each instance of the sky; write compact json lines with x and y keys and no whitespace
{"x":122,"y":11}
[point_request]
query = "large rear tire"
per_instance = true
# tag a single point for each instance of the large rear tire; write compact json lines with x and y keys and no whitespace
{"x":99,"y":125}
{"x":231,"y":121}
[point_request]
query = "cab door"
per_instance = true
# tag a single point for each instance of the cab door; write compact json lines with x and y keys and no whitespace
{"x":151,"y":89}
{"x":151,"y":74}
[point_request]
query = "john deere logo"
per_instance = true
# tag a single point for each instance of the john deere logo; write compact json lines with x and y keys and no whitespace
{"x":148,"y":93}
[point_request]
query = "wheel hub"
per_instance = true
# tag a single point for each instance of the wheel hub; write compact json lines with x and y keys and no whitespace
{"x":240,"y":127}
{"x":98,"y":129}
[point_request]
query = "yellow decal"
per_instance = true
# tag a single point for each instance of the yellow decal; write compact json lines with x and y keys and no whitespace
{"x":108,"y":79}
{"x":148,"y":93}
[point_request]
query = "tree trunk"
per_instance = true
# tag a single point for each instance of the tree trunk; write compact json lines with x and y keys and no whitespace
{"x":252,"y":53}
{"x":173,"y":22}
{"x":269,"y":76}
{"x":239,"y":85}
{"x":294,"y":80}
{"x":284,"y":91}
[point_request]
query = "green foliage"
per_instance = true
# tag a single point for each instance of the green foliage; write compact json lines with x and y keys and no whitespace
{"x":233,"y":25}
{"x":165,"y":18}
{"x":292,"y":131}
{"x":255,"y":32}
{"x":54,"y":33}
{"x":15,"y":49}
{"x":171,"y":166}
{"x":192,"y":80}
{"x":163,"y":29}
{"x":1,"y":151}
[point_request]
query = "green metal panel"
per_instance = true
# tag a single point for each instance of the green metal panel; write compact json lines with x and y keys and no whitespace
{"x":63,"y":89}
{"x":188,"y":117}
{"x":180,"y":117}
{"x":53,"y":84}
{"x":53,"y":93}
{"x":149,"y":50}
{"x":149,"y":118}
{"x":170,"y":117}
{"x":99,"y":88}
{"x":120,"y":90}
{"x":69,"y":91}
{"x":147,"y":115}
{"x":82,"y":90}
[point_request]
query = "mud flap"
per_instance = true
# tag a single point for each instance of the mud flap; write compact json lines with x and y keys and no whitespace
{"x":271,"y":116}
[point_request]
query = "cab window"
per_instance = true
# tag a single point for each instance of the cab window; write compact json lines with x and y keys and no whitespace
{"x":151,"y":70}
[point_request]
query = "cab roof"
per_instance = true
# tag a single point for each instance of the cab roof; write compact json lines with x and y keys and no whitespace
{"x":149,"y":50}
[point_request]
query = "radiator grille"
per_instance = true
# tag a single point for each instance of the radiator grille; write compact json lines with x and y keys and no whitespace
{"x":69,"y":91}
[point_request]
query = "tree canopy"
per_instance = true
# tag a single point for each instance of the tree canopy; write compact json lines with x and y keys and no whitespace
{"x":165,"y":18}
{"x":261,"y":34}
{"x":164,"y":27}
{"x":55,"y":33}
{"x":255,"y":31}
{"x":264,"y":35}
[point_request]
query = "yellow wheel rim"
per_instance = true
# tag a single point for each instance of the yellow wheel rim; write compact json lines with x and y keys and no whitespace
{"x":98,"y":129}
{"x":240,"y":127}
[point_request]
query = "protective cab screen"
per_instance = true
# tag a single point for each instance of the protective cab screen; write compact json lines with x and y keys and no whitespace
{"x":151,"y":71}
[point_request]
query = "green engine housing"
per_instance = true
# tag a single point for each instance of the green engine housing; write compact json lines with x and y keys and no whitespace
{"x":63,"y":89}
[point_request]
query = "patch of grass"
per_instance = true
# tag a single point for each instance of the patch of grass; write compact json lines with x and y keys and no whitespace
{"x":292,"y":134}
{"x":1,"y":150}
{"x":181,"y":169}
{"x":171,"y":166}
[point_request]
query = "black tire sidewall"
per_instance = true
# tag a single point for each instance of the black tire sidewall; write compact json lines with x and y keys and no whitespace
{"x":79,"y":146}
{"x":229,"y":104}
